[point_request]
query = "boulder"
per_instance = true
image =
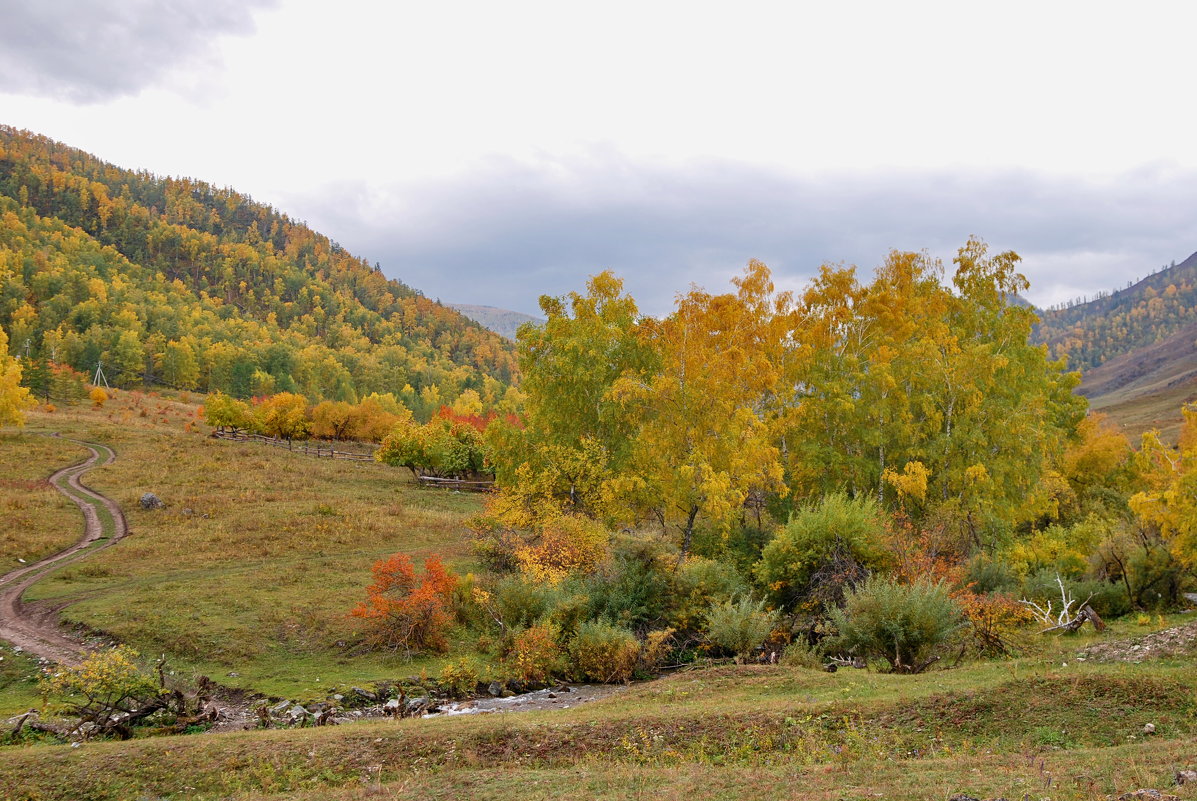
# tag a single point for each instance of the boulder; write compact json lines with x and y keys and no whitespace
{"x":150,"y":501}
{"x":1186,"y":777}
{"x":365,"y":695}
{"x":419,"y":705}
{"x":1148,"y":795}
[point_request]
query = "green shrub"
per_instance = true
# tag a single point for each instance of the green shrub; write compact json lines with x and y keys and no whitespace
{"x":800,"y":653}
{"x":987,"y":575}
{"x":1041,"y":587}
{"x":603,"y":652}
{"x":570,"y":611}
{"x":633,"y":589}
{"x":697,"y":585}
{"x":900,"y":623}
{"x":739,"y":626}
{"x":1108,"y":599}
{"x":835,"y":529}
{"x":520,"y":603}
{"x":739,"y":546}
{"x":1158,"y":579}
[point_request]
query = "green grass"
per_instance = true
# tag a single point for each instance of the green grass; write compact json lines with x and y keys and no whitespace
{"x":19,"y":676}
{"x":731,"y":727}
{"x":1081,"y":775}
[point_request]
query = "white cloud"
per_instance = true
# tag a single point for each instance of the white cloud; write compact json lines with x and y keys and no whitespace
{"x":87,"y":52}
{"x":541,"y":141}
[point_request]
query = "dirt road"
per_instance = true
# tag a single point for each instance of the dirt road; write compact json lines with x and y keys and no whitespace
{"x":35,"y":627}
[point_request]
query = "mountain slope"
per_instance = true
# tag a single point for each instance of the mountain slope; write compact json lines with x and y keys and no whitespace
{"x":1155,"y":308}
{"x":175,"y":280}
{"x":1136,"y":348}
{"x":1145,"y":389}
{"x":503,"y":322}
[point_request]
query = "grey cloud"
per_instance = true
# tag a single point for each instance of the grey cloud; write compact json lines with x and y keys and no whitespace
{"x":506,"y":234}
{"x":86,"y":51}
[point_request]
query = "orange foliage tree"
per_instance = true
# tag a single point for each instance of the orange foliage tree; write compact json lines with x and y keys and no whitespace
{"x":404,"y":612}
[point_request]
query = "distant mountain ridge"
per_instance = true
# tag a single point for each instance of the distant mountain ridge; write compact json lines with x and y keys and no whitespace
{"x":502,"y":321}
{"x":177,"y":281}
{"x":1136,"y":348}
{"x":1149,"y":311}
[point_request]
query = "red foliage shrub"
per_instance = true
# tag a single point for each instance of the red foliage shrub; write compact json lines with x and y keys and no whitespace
{"x":403,"y":612}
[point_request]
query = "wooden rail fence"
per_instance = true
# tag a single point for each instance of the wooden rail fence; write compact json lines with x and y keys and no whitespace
{"x":305,"y":447}
{"x":456,"y":483}
{"x":320,"y":451}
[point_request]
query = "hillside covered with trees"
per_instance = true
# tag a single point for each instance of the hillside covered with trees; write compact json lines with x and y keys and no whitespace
{"x":1091,"y":333}
{"x":178,"y":282}
{"x":1135,"y":347}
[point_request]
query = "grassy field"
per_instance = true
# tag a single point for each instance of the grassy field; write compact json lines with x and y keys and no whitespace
{"x":254,"y":563}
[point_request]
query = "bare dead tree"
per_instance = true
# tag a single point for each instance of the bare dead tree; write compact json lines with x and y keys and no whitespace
{"x":1069,"y":617}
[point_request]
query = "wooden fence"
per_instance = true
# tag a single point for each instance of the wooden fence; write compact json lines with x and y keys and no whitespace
{"x":320,"y":451}
{"x":460,"y":484}
{"x":305,"y":447}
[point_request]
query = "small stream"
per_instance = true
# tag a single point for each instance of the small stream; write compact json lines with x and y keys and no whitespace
{"x":556,"y":698}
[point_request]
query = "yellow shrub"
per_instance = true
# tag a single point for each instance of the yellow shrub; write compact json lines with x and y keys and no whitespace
{"x":535,"y":655}
{"x":566,"y":545}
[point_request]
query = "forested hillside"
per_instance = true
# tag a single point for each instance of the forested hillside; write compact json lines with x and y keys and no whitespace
{"x":175,"y":281}
{"x":1145,"y":313}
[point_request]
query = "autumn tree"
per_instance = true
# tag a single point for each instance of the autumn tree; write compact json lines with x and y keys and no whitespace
{"x":574,"y":435}
{"x":909,"y":378}
{"x":283,"y":416}
{"x":180,"y":368}
{"x":1170,"y":502}
{"x":98,"y":397}
{"x":376,"y":415}
{"x":442,"y":447}
{"x":1099,"y":468}
{"x":704,"y":441}
{"x":332,"y":420}
{"x":227,"y":414}
{"x":14,"y":398}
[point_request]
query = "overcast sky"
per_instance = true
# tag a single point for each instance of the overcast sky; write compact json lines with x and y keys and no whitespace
{"x":490,"y":152}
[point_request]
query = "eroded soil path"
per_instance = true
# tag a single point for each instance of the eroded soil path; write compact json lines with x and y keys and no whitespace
{"x":34,"y":626}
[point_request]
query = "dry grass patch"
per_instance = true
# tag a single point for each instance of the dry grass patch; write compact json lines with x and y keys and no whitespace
{"x":258,"y":556}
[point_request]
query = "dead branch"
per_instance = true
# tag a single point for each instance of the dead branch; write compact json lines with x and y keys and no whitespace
{"x":1070,"y":616}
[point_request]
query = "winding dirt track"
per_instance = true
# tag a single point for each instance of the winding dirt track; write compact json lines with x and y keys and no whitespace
{"x":35,"y":628}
